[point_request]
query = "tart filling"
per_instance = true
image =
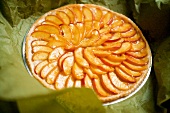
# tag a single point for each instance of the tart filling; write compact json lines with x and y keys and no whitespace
{"x":85,"y":45}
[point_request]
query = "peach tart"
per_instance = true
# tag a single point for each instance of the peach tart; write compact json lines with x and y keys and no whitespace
{"x":86,"y":45}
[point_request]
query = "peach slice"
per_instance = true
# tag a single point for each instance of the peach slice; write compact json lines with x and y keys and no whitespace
{"x":122,"y":75}
{"x":101,"y":53}
{"x":61,"y":59}
{"x":91,"y":58}
{"x":124,"y":28}
{"x":56,"y":53}
{"x":102,"y":39}
{"x":99,"y":89}
{"x":90,"y":41}
{"x":126,"y":46}
{"x":51,"y":76}
{"x":88,"y":15}
{"x":66,"y":32}
{"x":48,"y":28}
{"x":88,"y":28}
{"x":81,"y":28}
{"x":129,"y":33}
{"x":47,"y":69}
{"x":77,"y":71}
{"x":96,"y":25}
{"x":104,"y":30}
{"x":40,"y":56}
{"x":49,"y":23}
{"x":87,"y":82}
{"x":109,"y":62}
{"x":111,"y":47}
{"x":60,"y":81}
{"x":97,"y":14}
{"x":54,"y":19}
{"x":70,"y":14}
{"x":97,"y":70}
{"x":115,"y":36}
{"x":70,"y":82}
{"x":139,"y":54}
{"x":40,"y":66}
{"x":110,"y":43}
{"x":75,"y":39}
{"x":116,"y":58}
{"x":117,"y":82}
{"x":134,"y":67}
{"x":106,"y":68}
{"x":41,"y":35}
{"x":116,"y":23}
{"x":68,"y":64}
{"x":63,"y":16}
{"x":129,"y":71}
{"x":137,"y":61}
{"x":56,"y":43}
{"x":137,"y":46}
{"x":78,"y":53}
{"x":78,"y":83}
{"x":107,"y":18}
{"x":133,"y":38}
{"x":78,"y":14}
{"x":90,"y":73}
{"x":107,"y":84}
{"x":39,"y":43}
{"x":41,"y":48}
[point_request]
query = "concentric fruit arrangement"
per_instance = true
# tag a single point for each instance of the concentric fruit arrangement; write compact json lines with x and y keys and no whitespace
{"x":86,"y":45}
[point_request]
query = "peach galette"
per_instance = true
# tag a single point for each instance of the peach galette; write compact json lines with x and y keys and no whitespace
{"x":85,"y":45}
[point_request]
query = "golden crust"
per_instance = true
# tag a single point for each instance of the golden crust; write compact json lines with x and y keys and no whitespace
{"x":50,"y":79}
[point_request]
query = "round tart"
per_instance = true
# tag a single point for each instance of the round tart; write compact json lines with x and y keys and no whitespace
{"x":85,"y":45}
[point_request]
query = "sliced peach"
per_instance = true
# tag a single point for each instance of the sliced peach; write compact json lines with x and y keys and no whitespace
{"x":40,"y":56}
{"x":61,"y":59}
{"x":116,"y":58}
{"x":81,"y":28}
{"x":91,"y":58}
{"x":99,"y":89}
{"x":75,"y":39}
{"x":133,"y":38}
{"x":46,"y":69}
{"x":41,"y":35}
{"x":97,"y":14}
{"x":78,"y":14}
{"x":87,"y":82}
{"x":137,"y":61}
{"x":110,"y":43}
{"x":60,"y":81}
{"x":122,"y":75}
{"x":97,"y":70}
{"x":88,"y":28}
{"x":107,"y":18}
{"x":96,"y":25}
{"x":68,"y":64}
{"x":78,"y":53}
{"x":78,"y":83}
{"x":129,"y":33}
{"x":88,"y":15}
{"x":48,"y":28}
{"x":56,"y":53}
{"x":139,"y":54}
{"x":109,"y":62}
{"x":106,"y":68}
{"x":116,"y":23}
{"x":124,"y":28}
{"x":70,"y":82}
{"x":104,"y":30}
{"x":117,"y":82}
{"x":66,"y":32}
{"x":77,"y":71}
{"x":49,"y":23}
{"x":126,"y":46}
{"x":54,"y":19}
{"x":138,"y":46}
{"x":90,"y":73}
{"x":101,"y":53}
{"x":111,"y":47}
{"x":41,"y":48}
{"x":115,"y":36}
{"x":129,"y":71}
{"x":90,"y":41}
{"x":51,"y":76}
{"x":39,"y":43}
{"x":56,"y":43}
{"x":107,"y":84}
{"x":102,"y":39}
{"x":134,"y":67}
{"x":63,"y":16}
{"x":40,"y":66}
{"x":70,"y":14}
